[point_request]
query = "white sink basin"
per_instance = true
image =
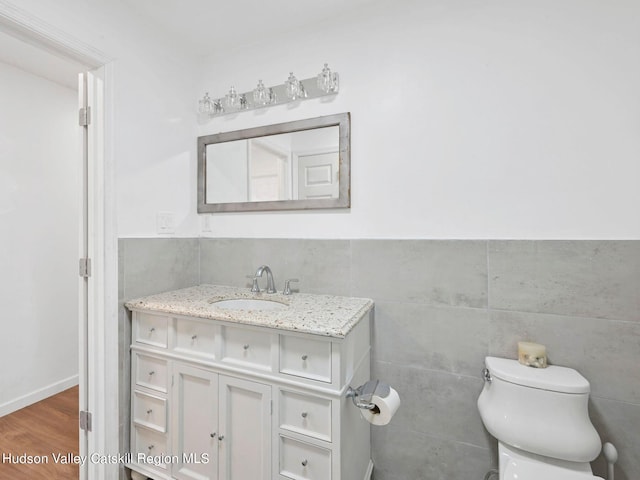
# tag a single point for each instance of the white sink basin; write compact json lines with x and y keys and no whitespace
{"x":249,"y":304}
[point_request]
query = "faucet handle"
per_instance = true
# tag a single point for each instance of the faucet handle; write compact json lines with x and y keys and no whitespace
{"x":287,"y":287}
{"x":254,"y":283}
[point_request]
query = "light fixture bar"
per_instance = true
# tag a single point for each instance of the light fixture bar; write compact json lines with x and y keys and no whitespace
{"x":292,"y":90}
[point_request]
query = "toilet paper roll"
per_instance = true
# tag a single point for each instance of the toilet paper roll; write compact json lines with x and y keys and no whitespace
{"x":386,"y":407}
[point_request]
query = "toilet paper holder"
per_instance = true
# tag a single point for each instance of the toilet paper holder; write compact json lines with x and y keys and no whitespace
{"x":361,"y":396}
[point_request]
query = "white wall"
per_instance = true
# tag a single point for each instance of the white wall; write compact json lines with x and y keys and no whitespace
{"x":470,"y":119}
{"x":39,"y":229}
{"x":153,"y":110}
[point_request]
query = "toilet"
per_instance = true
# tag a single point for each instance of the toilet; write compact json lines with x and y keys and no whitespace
{"x":539,"y":417}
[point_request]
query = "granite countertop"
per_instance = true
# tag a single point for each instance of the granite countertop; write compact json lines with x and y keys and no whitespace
{"x":326,"y":315}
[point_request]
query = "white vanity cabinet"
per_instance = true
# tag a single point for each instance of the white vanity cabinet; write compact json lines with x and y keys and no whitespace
{"x":217,"y":399}
{"x":218,"y":423}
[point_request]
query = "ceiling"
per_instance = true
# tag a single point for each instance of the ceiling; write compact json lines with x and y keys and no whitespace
{"x":37,"y":61}
{"x":205,"y":26}
{"x":202,"y":26}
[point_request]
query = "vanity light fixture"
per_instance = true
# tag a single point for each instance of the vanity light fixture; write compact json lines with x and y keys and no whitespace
{"x":325,"y":83}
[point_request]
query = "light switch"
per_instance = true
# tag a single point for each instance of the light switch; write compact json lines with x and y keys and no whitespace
{"x":165,"y":222}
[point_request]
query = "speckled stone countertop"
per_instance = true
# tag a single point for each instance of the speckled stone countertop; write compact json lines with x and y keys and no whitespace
{"x":317,"y":314}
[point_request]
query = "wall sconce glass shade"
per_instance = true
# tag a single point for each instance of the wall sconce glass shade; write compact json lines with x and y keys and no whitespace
{"x":263,"y":96}
{"x":327,"y":80}
{"x":206,"y":106}
{"x":294,"y":88}
{"x":232,"y":99}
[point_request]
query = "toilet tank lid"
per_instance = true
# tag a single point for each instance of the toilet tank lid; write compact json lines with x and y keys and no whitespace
{"x":553,"y":378}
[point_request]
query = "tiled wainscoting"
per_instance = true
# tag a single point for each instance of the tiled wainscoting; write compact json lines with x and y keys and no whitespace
{"x":441,"y":307}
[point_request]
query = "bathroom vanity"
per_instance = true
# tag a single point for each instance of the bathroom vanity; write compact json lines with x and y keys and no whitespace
{"x":229,"y":384}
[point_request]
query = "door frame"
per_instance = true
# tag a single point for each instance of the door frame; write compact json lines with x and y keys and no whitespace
{"x":101,"y":390}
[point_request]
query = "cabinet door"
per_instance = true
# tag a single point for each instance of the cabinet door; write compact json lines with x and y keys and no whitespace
{"x":245,"y":430}
{"x":195,"y":422}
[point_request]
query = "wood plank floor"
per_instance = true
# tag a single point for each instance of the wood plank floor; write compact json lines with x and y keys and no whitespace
{"x":42,"y":429}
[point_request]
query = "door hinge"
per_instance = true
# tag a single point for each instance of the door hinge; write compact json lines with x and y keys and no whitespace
{"x":85,"y":421}
{"x":84,"y":116}
{"x":85,"y":267}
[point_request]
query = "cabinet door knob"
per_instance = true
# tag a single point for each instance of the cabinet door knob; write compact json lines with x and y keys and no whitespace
{"x":305,"y":462}
{"x":304,"y":414}
{"x":304,"y":357}
{"x":152,"y":373}
{"x":152,"y":329}
{"x":246,"y":346}
{"x":193,"y":337}
{"x":150,"y":447}
{"x":220,"y":437}
{"x":149,"y":411}
{"x":212,"y":435}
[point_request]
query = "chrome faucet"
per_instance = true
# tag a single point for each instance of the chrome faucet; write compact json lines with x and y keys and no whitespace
{"x":270,"y":283}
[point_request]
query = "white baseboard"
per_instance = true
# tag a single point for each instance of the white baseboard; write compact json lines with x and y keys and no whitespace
{"x":40,"y":394}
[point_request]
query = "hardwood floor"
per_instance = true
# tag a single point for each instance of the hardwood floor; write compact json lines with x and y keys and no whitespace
{"x":43,"y":430}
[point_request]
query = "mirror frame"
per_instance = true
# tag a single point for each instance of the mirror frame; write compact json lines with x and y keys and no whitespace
{"x":342,"y":120}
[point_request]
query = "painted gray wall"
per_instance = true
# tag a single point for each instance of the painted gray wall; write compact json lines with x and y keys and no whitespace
{"x":441,"y":307}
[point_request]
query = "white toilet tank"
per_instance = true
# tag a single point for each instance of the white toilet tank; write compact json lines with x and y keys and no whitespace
{"x":539,"y":410}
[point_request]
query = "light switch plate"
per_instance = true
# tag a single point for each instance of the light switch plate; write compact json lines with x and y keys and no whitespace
{"x":165,"y":222}
{"x":206,"y":223}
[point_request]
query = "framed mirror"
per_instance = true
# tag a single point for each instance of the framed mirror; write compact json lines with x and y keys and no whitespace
{"x":289,"y":166}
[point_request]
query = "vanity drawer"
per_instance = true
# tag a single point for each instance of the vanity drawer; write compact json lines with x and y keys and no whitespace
{"x":246,"y":347}
{"x":196,"y":338}
{"x":150,"y":443}
{"x":150,"y":329}
{"x":150,"y":372}
{"x":305,"y":414}
{"x":300,"y":460}
{"x":306,"y":358}
{"x":150,"y":411}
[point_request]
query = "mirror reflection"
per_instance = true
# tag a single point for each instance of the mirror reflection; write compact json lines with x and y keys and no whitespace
{"x":289,"y":166}
{"x":296,"y":165}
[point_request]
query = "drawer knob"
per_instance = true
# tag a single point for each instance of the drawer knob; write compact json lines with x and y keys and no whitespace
{"x":304,"y":357}
{"x":193,"y":337}
{"x":304,"y":414}
{"x":152,"y":329}
{"x":152,"y":373}
{"x":246,"y":346}
{"x":149,"y":411}
{"x":212,"y":435}
{"x":305,"y":462}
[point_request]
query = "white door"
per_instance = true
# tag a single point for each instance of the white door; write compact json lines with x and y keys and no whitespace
{"x":83,"y":368}
{"x":318,"y":175}
{"x":245,"y":430}
{"x":195,"y":421}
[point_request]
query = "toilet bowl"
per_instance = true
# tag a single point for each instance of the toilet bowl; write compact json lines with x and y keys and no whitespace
{"x":519,"y":465}
{"x":540,"y":419}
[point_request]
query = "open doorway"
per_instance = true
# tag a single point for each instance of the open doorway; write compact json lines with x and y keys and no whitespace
{"x":41,"y":220}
